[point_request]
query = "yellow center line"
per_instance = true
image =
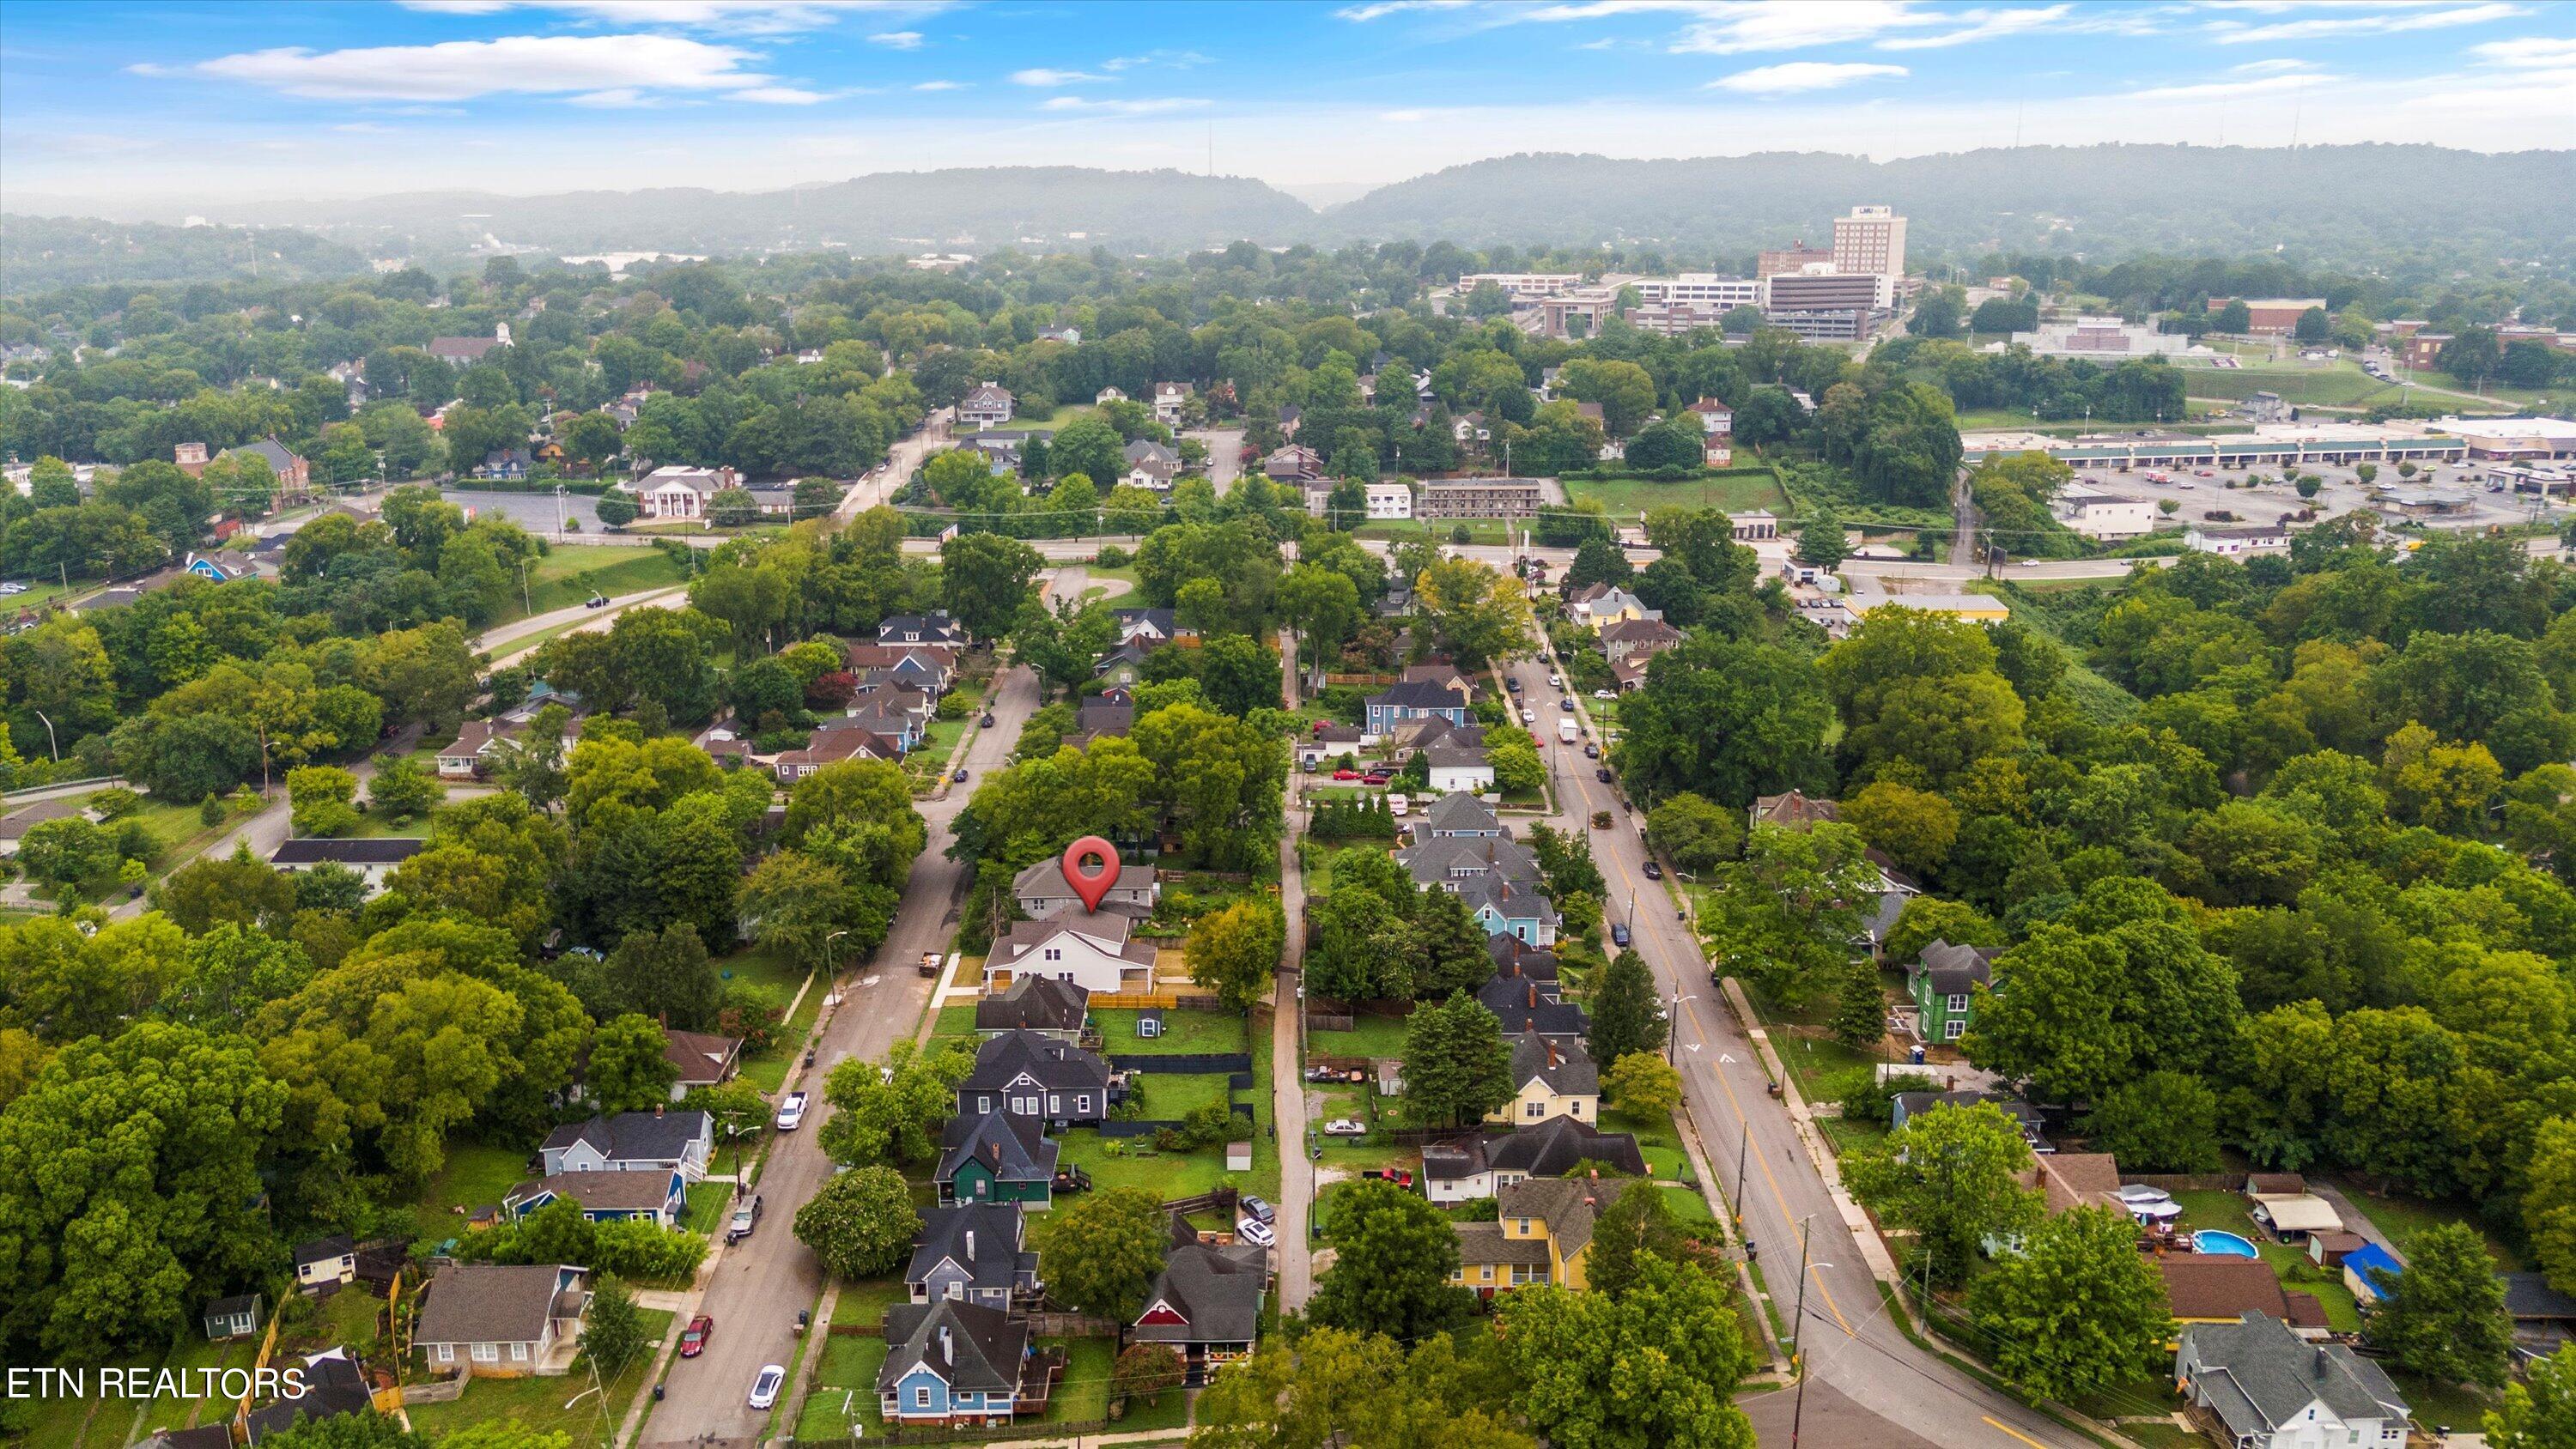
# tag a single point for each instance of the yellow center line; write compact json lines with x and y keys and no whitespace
{"x":2016,"y":1433}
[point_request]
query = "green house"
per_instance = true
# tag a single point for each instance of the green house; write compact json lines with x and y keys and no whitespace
{"x":1944,"y":987}
{"x":996,"y":1157}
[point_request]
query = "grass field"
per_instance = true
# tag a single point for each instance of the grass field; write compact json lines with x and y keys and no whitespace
{"x":1369,"y":1036}
{"x":576,"y":571}
{"x":539,"y":1404}
{"x":1175,"y":1095}
{"x":1656,"y":1137}
{"x":843,"y":1400}
{"x":1167,"y":1175}
{"x":2401,"y":1218}
{"x":2334,"y":384}
{"x":1734,"y":491}
{"x":2496,"y":392}
{"x":1440,"y":530}
{"x":1184,"y":1033}
{"x":475,"y":1176}
{"x":777,"y":978}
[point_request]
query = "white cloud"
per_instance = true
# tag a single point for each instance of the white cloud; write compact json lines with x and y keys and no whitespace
{"x":1176,"y":59}
{"x":1782,"y":24}
{"x":2528,"y":51}
{"x":2235,"y":90}
{"x":2270,"y":67}
{"x":1380,"y":9}
{"x":458,"y":70}
{"x":1982,"y":25}
{"x":1802,"y":75}
{"x":1042,"y":76}
{"x":1123,"y":108}
{"x":897,"y":39}
{"x":778,"y":96}
{"x":741,"y":17}
{"x":621,"y":98}
{"x":2341,"y":27}
{"x":941,"y":85}
{"x":1404,"y":118}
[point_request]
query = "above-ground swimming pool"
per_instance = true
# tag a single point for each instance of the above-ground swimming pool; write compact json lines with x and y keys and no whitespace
{"x":2210,"y":1240}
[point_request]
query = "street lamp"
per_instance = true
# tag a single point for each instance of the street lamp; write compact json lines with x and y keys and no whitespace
{"x":50,"y":742}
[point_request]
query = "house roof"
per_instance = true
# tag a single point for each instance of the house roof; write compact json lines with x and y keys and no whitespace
{"x":18,"y":822}
{"x":2260,"y":1375}
{"x":1218,"y":1294}
{"x":1551,"y":1148}
{"x":986,"y":395}
{"x":1166,"y":622}
{"x":1442,"y":674}
{"x":634,"y":1136}
{"x":1516,"y":957}
{"x":1003,"y":1059}
{"x":227,"y":1307}
{"x":1460,"y":811}
{"x":1525,"y":1008}
{"x":2528,"y":1297}
{"x":1034,"y":1003}
{"x":324,"y":1250}
{"x":1417,"y":694}
{"x":318,"y":851}
{"x":1104,"y":717}
{"x":613,"y":1192}
{"x":2079,"y":1179}
{"x":1485,"y":1244}
{"x":1456,"y":757}
{"x":980,"y":1350}
{"x":703,"y":1057}
{"x":205,"y":1436}
{"x":1110,"y":930}
{"x":1795,"y":810}
{"x":1953,"y":969}
{"x":491,"y":1302}
{"x":1334,"y":732}
{"x":1146,"y":450}
{"x":1012,"y":1148}
{"x":2222,"y":1286}
{"x":1641,"y":631}
{"x":1568,"y":1204}
{"x":982,"y":1239}
{"x":1422,"y":732}
{"x":1456,"y":859}
{"x":1046,"y":880}
{"x":1566,"y":1066}
{"x":333,"y":1385}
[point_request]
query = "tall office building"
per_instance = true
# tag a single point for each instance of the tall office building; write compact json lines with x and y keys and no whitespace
{"x":1872,"y":241}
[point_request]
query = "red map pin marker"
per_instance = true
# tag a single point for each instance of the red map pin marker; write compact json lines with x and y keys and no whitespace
{"x":1091,"y":882}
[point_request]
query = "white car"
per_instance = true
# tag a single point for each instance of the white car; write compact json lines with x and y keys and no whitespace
{"x":1556,"y":681}
{"x":13,"y":588}
{"x":1345,"y":1127}
{"x":764,"y":1389}
{"x":1604,"y":694}
{"x":791,"y":1113}
{"x":1256,"y":1232}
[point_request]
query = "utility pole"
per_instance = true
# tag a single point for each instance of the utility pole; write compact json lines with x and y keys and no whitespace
{"x":1798,"y":1335}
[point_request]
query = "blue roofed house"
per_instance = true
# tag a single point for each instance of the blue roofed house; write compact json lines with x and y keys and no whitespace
{"x":1499,"y":879}
{"x":953,"y":1362}
{"x":1414,"y":699}
{"x":606,"y":1197}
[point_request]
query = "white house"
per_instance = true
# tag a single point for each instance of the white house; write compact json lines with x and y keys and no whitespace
{"x":371,"y":859}
{"x":2245,"y":542}
{"x":1096,"y":950}
{"x":676,"y":492}
{"x":1459,"y":769}
{"x":1151,"y":465}
{"x":1169,"y":398}
{"x":655,"y":1141}
{"x":2268,"y":1388}
{"x":986,"y":405}
{"x":1389,"y":501}
{"x":2096,"y":514}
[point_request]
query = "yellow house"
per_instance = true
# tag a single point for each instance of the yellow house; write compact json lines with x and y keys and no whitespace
{"x":1542,"y":1237}
{"x":1551,"y":1079}
{"x":1598,"y":606}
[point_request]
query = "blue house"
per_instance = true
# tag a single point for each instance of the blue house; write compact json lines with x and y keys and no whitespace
{"x":953,"y":1362}
{"x":1414,"y":699}
{"x":606,"y":1197}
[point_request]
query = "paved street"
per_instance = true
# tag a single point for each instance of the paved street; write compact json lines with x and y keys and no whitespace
{"x":1287,"y":1046}
{"x":1850,"y":1342}
{"x":1225,"y":455}
{"x":758,"y":1286}
{"x":880,"y":482}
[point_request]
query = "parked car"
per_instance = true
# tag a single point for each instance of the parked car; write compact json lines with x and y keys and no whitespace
{"x":1346,"y":774}
{"x":791,"y":1113}
{"x":13,"y":587}
{"x":745,"y":1218}
{"x":1591,"y":751}
{"x":1566,"y":704}
{"x":1654,"y":871}
{"x":693,"y":1339}
{"x":1603,"y":775}
{"x":1345,"y":1127}
{"x":987,"y":721}
{"x":1513,"y":685}
{"x":960,"y":776}
{"x":1400,"y":1176}
{"x":1528,"y":719}
{"x":1618,"y":934}
{"x":1605,"y":694}
{"x":1556,"y":681}
{"x":1257,"y":1210}
{"x":764,"y":1389}
{"x":1374,"y":778}
{"x":1255,"y":1232}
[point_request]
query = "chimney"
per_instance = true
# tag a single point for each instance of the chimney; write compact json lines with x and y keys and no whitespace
{"x":1531,"y":987}
{"x":1528,"y":1024}
{"x":657,"y":1109}
{"x":2321,"y":1360}
{"x":1551,"y":1054}
{"x":947,"y":1345}
{"x":970,"y":1245}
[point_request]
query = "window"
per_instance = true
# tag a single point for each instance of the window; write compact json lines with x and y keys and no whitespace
{"x":487,"y":1353}
{"x":1524,"y":1227}
{"x":1958,"y":1001}
{"x":1486,"y":1272}
{"x":983,"y":1104}
{"x":518,"y":1353}
{"x":1953,"y":1029}
{"x":1574,"y":1108}
{"x":1054,"y":953}
{"x":956,"y":1288}
{"x":1537,"y":1110}
{"x":1082,"y":1101}
{"x":447,"y":1353}
{"x":921,"y":1398}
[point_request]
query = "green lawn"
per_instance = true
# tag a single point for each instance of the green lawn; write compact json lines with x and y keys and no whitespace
{"x":1171,"y":1096}
{"x":574,"y":572}
{"x":1735,"y":490}
{"x":1369,"y":1036}
{"x":777,"y":977}
{"x":476,"y":1175}
{"x":1442,"y":530}
{"x":192,"y":1353}
{"x":2434,"y":1403}
{"x":866,"y":1300}
{"x":1167,"y":1175}
{"x":540,"y":1403}
{"x":1184,"y":1033}
{"x":843,"y":1400}
{"x":1656,"y":1137}
{"x":956,"y":1023}
{"x":928,"y":758}
{"x":2225,"y":1211}
{"x":90,"y":1421}
{"x":2334,"y":384}
{"x":709,"y":1203}
{"x":2401,"y":1218}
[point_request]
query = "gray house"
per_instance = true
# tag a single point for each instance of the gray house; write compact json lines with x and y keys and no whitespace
{"x":972,"y":1251}
{"x":655,"y":1141}
{"x":2261,"y":1386}
{"x":1042,"y":890}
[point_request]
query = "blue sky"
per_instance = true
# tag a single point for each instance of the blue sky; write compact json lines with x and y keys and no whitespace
{"x":125,"y":101}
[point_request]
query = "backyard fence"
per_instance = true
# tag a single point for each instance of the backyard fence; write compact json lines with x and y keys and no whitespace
{"x":1184,"y":1063}
{"x":1223,"y":1197}
{"x":2190,"y":1181}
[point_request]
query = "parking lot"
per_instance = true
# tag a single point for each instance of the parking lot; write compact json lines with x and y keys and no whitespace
{"x":2342,"y":492}
{"x":534,"y":512}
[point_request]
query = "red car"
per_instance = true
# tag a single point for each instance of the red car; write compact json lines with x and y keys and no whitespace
{"x":1373,"y":779}
{"x":693,"y":1339}
{"x":1346,"y":774}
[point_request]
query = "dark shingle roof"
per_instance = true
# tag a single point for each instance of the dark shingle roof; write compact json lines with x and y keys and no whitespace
{"x":2275,"y":1374}
{"x":634,"y":1136}
{"x":1566,"y":1066}
{"x":601,"y":1192}
{"x":317,"y":851}
{"x":1484,"y":1243}
{"x":981,"y":1351}
{"x":2529,"y":1296}
{"x":490,"y":1303}
{"x":982,"y":1239}
{"x":1049,"y":1062}
{"x":1953,"y":969}
{"x":1034,"y":1003}
{"x":1219,"y":1295}
{"x":1523,"y":1007}
{"x":1550,"y":1149}
{"x":1014,"y":1148}
{"x":332,"y":1387}
{"x":325,"y":1250}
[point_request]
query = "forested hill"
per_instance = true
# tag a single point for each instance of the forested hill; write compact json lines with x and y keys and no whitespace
{"x":41,"y":252}
{"x":2345,"y":205}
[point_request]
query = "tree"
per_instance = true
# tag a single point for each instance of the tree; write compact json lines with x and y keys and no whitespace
{"x":210,"y":890}
{"x":798,"y":904}
{"x":2549,"y":1205}
{"x":1936,"y":316}
{"x":2234,"y":318}
{"x":1915,"y":827}
{"x":1625,"y":391}
{"x":1696,"y":835}
{"x":860,"y":1222}
{"x":2079,"y":1011}
{"x":1394,"y":1253}
{"x":1725,"y":720}
{"x":2472,"y":355}
{"x":1089,"y":446}
{"x":2539,"y":1412}
{"x":1103,"y":1252}
{"x":2162,"y":1122}
{"x":617,"y":509}
{"x":1517,"y":768}
{"x":1860,"y":1006}
{"x":1655,"y":1365}
{"x":1479,"y":611}
{"x":1821,"y":543}
{"x":1627,"y":1015}
{"x":1235,"y":952}
{"x":892,"y":1112}
{"x":1638,"y":1221}
{"x":2444,"y":1316}
{"x":2076,"y":1309}
{"x":2313,"y":326}
{"x":1147,"y":1371}
{"x":614,"y":1331}
{"x":1457,"y":1067}
{"x":1643,"y":1084}
{"x":1952,"y":1175}
{"x":984,"y":580}
{"x":1335,"y":1387}
{"x":630,"y":1066}
{"x":321,"y":796}
{"x":403,"y":789}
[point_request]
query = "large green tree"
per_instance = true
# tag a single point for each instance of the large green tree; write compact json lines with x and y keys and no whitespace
{"x":860,"y":1222}
{"x":2074,"y":1310}
{"x":1457,"y":1067}
{"x":1953,"y":1176}
{"x":1655,"y":1365}
{"x":2443,"y":1317}
{"x":1102,"y":1252}
{"x":892,"y":1111}
{"x":1394,"y":1254}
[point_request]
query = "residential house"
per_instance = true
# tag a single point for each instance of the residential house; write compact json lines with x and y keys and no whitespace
{"x":217,"y":1435}
{"x":673,"y":491}
{"x":1035,"y":1076}
{"x":1047,"y":1005}
{"x":1329,"y":740}
{"x":831,"y":746}
{"x":2544,"y":1319}
{"x":1795,"y":810}
{"x":1527,"y":1008}
{"x":1205,"y":1305}
{"x":1543,"y":1235}
{"x":1624,"y":640}
{"x":931,"y":668}
{"x":605,"y":1197}
{"x":1152,"y":628}
{"x":1412,"y":736}
{"x":702,"y":1059}
{"x":1108,"y":395}
{"x":483,"y":743}
{"x":1716,"y":419}
{"x":505,"y":463}
{"x":2367,"y":1269}
{"x":1290,"y":416}
{"x":1412,"y":700}
{"x":1111,"y":712}
{"x":1123,"y":666}
{"x":1598,"y":606}
{"x":1042,"y":890}
{"x":2258,"y":1385}
{"x":1550,"y":1078}
{"x":987,"y":405}
{"x":1150,"y":465}
{"x":952,"y":1362}
{"x":1000,"y":451}
{"x":1909,"y":1105}
{"x":1070,"y":337}
{"x":1096,"y":950}
{"x":973,"y":1252}
{"x":240,"y":1316}
{"x":1458,"y":768}
{"x":466,"y":351}
{"x":1170,"y":398}
{"x":503,"y":1320}
{"x":1943,"y":985}
{"x":935,"y":628}
{"x":1388,"y":502}
{"x":15,"y":825}
{"x":2223,"y":1288}
{"x":996,"y":1156}
{"x":371,"y":859}
{"x":1456,"y":843}
{"x":1293,"y":464}
{"x":293,"y":475}
{"x":2070,"y":1180}
{"x":335,"y":1385}
{"x":655,"y":1141}
{"x":325,"y":1264}
{"x":1505,"y":907}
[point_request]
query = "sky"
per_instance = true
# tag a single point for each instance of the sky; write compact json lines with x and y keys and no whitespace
{"x":133,"y":101}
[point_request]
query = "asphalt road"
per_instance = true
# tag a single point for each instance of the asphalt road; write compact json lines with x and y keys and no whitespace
{"x":1287,"y":1054}
{"x":1850,"y":1343}
{"x":759,"y":1284}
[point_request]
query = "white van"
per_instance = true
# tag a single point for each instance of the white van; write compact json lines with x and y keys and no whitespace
{"x":1567,"y":732}
{"x":1398,"y":804}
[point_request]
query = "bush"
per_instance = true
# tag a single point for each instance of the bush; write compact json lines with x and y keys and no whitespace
{"x":1209,"y":1126}
{"x":1111,"y":556}
{"x":210,"y":811}
{"x":953,"y":706}
{"x":1169,"y":1139}
{"x":114,"y":803}
{"x":1868,"y":1100}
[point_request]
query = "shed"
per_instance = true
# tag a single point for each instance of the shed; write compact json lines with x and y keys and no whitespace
{"x":2363,"y":1266}
{"x":1149,"y":1022}
{"x":2291,"y":1219}
{"x":2328,"y":1250}
{"x":239,"y":1316}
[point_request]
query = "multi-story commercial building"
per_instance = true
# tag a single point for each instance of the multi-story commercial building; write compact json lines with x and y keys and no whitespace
{"x":2270,"y":316}
{"x":1794,"y":258}
{"x":1675,"y":319}
{"x":1871,"y":241}
{"x":1710,"y":290}
{"x":1517,"y":285}
{"x":1481,"y":498}
{"x":1830,"y":305}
